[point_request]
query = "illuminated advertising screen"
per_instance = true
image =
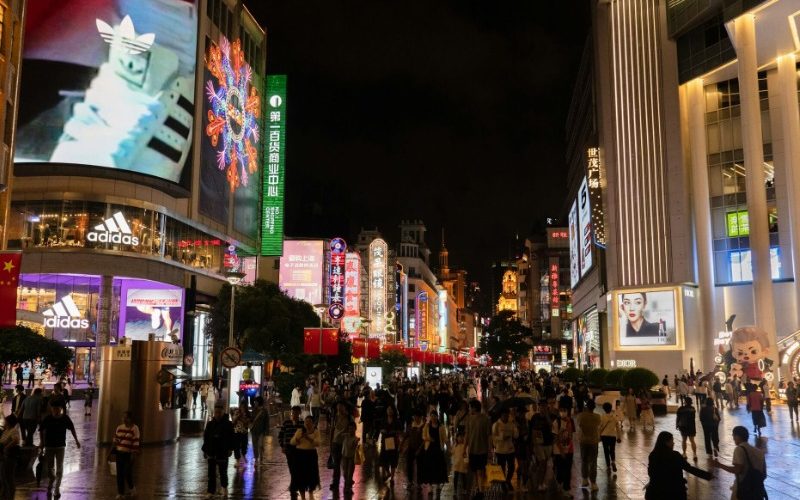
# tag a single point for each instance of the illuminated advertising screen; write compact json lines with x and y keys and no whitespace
{"x":378,"y":254}
{"x":301,"y":270}
{"x":274,"y":176}
{"x":738,"y":223}
{"x":648,"y":319}
{"x":443,"y":318}
{"x":230,"y":166}
{"x":109,"y":83}
{"x":585,"y":227}
{"x":336,"y":278}
{"x":151,"y":308}
{"x":574,"y":252}
{"x":352,"y":293}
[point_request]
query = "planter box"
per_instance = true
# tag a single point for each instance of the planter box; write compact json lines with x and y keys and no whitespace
{"x":608,"y":396}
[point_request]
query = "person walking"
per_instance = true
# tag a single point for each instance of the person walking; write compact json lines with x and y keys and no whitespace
{"x":204,"y":396}
{"x":563,"y":450}
{"x":629,"y":405}
{"x":10,"y":442}
{"x":288,"y":429}
{"x":306,"y":442}
{"x":541,"y":433}
{"x":218,"y":444}
{"x":241,"y":429}
{"x":259,"y":427}
{"x":88,"y":396}
{"x":17,"y":400}
{"x":749,"y":467}
{"x":709,"y":420}
{"x":126,"y":444}
{"x":685,"y":422}
{"x":478,"y":431}
{"x":53,"y":440}
{"x":755,"y":405}
{"x":610,"y":435}
{"x":31,"y":415}
{"x":504,"y":431}
{"x":390,"y":433}
{"x":18,"y":372}
{"x":719,"y":394}
{"x":665,"y":469}
{"x":31,"y":377}
{"x":646,"y":415}
{"x":296,"y":399}
{"x":434,"y":470}
{"x":413,"y":446}
{"x":792,"y":400}
{"x":341,"y":419}
{"x":349,"y":450}
{"x":589,"y":425}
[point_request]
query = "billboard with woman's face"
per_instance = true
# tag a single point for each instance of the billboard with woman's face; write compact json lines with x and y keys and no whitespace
{"x":647,"y":319}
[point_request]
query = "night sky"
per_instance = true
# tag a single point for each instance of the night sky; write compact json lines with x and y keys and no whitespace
{"x":447,"y":111}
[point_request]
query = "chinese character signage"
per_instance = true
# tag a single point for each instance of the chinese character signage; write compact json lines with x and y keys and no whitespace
{"x":555,"y":295}
{"x":378,"y":255}
{"x":352,"y":292}
{"x":443,"y":318}
{"x":301,"y":270}
{"x":595,"y":194}
{"x":336,"y":278}
{"x":274,"y":176}
{"x":422,"y":317}
{"x":585,"y":227}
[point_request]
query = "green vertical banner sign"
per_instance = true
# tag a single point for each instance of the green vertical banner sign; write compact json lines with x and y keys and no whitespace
{"x":274,"y":173}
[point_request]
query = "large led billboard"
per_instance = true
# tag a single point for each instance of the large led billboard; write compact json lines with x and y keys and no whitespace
{"x":301,"y":270}
{"x":151,"y":308}
{"x":585,"y":227}
{"x":274,"y":176}
{"x":109,"y":83}
{"x":230,"y":165}
{"x":574,"y":252}
{"x":648,"y":319}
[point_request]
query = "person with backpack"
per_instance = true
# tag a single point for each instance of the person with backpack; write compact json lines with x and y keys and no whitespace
{"x":749,"y":467}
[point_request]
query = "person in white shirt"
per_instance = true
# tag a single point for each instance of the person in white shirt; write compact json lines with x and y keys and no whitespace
{"x":745,"y":457}
{"x":295,"y":397}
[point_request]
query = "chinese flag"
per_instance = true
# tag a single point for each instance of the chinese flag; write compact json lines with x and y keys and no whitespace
{"x":311,"y":340}
{"x":359,"y":348}
{"x":374,"y":349}
{"x":9,"y":281}
{"x":330,"y":341}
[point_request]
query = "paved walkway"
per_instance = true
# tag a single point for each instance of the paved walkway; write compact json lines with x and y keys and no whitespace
{"x":179,"y":471}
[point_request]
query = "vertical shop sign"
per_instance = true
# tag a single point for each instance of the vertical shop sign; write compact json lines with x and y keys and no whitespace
{"x":274,"y":176}
{"x":336,"y":278}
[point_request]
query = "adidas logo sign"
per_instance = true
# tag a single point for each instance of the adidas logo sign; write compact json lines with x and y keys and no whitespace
{"x":64,"y":314}
{"x":124,"y":36}
{"x":113,"y":230}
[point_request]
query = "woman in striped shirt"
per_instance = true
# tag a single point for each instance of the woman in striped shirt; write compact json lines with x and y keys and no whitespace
{"x":126,"y":443}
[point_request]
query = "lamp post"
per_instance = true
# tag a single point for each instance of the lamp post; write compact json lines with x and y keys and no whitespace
{"x":234,"y":278}
{"x":320,"y":309}
{"x":364,"y":325}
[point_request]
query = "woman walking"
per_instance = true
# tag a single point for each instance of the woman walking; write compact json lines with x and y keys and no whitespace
{"x":390,"y":445}
{"x":564,"y":450}
{"x":306,"y":441}
{"x":709,"y":419}
{"x":126,"y":444}
{"x":665,"y":468}
{"x":434,"y":465}
{"x":241,"y":427}
{"x":685,"y":422}
{"x":629,"y":403}
{"x":610,"y":435}
{"x":755,"y":405}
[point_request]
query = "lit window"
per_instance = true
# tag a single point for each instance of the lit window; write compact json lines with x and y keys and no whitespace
{"x":741,"y":265}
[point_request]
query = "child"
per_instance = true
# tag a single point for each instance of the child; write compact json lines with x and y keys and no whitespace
{"x":460,"y":466}
{"x":349,"y":448}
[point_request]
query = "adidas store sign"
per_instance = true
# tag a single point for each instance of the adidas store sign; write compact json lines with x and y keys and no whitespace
{"x":113,"y":230}
{"x":64,"y":314}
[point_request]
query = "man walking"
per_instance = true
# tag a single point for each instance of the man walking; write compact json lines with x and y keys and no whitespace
{"x":748,"y":461}
{"x":504,"y":431}
{"x":288,"y":430}
{"x":791,"y":400}
{"x":259,"y":428}
{"x":53,"y":440}
{"x":478,"y":432}
{"x":541,"y":432}
{"x":31,"y":415}
{"x":589,"y":425}
{"x":218,"y":442}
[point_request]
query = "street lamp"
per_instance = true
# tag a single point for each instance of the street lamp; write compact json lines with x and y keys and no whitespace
{"x":364,"y":325}
{"x":320,"y":309}
{"x":234,"y":278}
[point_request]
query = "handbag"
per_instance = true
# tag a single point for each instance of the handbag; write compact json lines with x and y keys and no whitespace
{"x":494,"y":473}
{"x":752,"y":484}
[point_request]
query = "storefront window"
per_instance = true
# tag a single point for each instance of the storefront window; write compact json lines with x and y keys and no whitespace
{"x":202,"y":346}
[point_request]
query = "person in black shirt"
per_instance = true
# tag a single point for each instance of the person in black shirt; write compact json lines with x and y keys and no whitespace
{"x":541,"y":436}
{"x":287,"y":432}
{"x":665,"y":468}
{"x":218,"y":441}
{"x":53,"y":440}
{"x":18,"y":372}
{"x":368,"y":414}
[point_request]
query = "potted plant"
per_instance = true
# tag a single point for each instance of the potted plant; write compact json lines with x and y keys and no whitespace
{"x":597,"y":380}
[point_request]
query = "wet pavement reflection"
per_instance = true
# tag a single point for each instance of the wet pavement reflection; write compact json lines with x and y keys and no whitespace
{"x":179,"y":471}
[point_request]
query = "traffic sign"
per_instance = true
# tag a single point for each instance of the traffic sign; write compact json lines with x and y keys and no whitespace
{"x":231,"y":357}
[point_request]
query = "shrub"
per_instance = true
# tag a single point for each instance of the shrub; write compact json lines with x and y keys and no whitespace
{"x":597,"y":377}
{"x":571,"y":374}
{"x":639,"y":379}
{"x":614,"y":377}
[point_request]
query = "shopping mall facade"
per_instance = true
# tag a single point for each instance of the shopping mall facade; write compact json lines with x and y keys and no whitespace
{"x":137,"y":175}
{"x":689,"y":154}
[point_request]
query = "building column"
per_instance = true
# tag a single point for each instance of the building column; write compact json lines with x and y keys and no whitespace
{"x":702,"y":218}
{"x":790,"y":123}
{"x":104,"y":306}
{"x":752,"y":142}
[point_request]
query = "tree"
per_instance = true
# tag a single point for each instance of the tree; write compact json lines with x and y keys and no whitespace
{"x":19,"y":344}
{"x":390,"y":361}
{"x":505,"y":340}
{"x":639,"y":379}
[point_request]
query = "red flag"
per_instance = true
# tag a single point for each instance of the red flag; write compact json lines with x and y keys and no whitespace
{"x":359,"y":348}
{"x":9,"y":281}
{"x":311,"y":340}
{"x":417,"y":356}
{"x":374,"y":349}
{"x":330,"y":341}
